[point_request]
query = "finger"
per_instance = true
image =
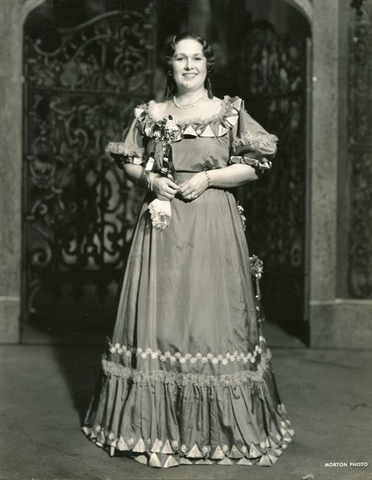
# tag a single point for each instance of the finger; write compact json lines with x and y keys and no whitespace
{"x":171,"y":189}
{"x":172,"y":184}
{"x":186,"y":190}
{"x":191,"y":196}
{"x":169,"y":196}
{"x":184,"y":187}
{"x":165,"y":196}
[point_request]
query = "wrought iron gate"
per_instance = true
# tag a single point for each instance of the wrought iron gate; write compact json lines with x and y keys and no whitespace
{"x":360,"y":151}
{"x":77,"y":207}
{"x":273,"y":82}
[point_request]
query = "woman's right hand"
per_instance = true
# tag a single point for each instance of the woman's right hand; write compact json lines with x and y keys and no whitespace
{"x":164,"y":188}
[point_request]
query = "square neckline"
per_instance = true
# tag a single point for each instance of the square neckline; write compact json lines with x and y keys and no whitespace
{"x":192,"y":120}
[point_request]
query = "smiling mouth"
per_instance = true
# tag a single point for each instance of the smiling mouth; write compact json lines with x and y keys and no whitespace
{"x":189,"y":74}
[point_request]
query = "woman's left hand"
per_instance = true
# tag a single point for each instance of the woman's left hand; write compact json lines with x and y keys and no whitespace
{"x":194,"y":187}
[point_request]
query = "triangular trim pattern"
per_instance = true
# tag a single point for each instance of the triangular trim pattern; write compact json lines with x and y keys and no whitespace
{"x":218,"y":454}
{"x":167,"y":448}
{"x":154,"y":461}
{"x":194,"y":452}
{"x":140,"y":446}
{"x":254,"y":452}
{"x":214,"y":126}
{"x":207,"y":132}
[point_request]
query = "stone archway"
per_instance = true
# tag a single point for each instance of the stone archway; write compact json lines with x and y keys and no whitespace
{"x":28,"y":6}
{"x":305,"y":7}
{"x":330,"y":309}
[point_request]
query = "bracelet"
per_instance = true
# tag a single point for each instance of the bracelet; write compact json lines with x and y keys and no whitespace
{"x":150,"y":180}
{"x":208,"y":178}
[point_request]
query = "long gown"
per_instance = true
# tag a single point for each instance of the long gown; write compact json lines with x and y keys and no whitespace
{"x":187,"y":378}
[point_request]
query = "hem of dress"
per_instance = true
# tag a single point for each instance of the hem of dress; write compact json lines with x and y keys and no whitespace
{"x":232,"y":419}
{"x":167,"y":454}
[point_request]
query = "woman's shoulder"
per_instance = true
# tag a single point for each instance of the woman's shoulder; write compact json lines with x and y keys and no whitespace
{"x":158,"y":109}
{"x":151,"y":110}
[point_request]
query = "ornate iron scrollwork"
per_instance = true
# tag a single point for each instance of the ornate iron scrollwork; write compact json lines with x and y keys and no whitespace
{"x":357,"y":4}
{"x":273,"y":73}
{"x":360,"y":152}
{"x":77,"y":206}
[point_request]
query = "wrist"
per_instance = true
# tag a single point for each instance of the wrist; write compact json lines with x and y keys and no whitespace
{"x":208,"y":178}
{"x":150,"y":177}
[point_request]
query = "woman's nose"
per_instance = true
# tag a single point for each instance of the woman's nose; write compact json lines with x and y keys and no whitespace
{"x":188,"y":64}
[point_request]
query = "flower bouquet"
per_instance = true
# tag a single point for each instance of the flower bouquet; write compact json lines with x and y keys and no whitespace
{"x":165,"y":132}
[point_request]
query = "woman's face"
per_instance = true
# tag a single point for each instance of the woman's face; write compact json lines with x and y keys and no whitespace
{"x":189,"y":65}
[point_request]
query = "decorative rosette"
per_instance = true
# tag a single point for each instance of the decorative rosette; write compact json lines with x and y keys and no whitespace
{"x":256,"y":266}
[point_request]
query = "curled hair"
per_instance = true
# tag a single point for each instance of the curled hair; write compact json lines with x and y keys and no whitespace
{"x":171,"y":88}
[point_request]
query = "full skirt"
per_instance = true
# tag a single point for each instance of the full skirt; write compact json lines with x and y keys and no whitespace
{"x":187,"y":377}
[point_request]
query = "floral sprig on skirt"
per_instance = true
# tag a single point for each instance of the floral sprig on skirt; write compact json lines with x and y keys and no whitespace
{"x":256,"y":267}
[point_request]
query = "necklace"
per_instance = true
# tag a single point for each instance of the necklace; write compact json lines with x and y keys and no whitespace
{"x":188,"y":105}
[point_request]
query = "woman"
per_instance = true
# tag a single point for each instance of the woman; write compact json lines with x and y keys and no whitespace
{"x":187,"y":378}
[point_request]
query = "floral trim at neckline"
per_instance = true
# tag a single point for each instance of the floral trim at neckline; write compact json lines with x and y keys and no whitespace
{"x":225,"y":104}
{"x":216,"y":125}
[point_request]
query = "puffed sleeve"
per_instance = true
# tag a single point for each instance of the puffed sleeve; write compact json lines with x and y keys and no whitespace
{"x":129,"y":148}
{"x":251,"y":144}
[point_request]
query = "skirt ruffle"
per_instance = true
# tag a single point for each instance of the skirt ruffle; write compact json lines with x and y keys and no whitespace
{"x":164,"y":419}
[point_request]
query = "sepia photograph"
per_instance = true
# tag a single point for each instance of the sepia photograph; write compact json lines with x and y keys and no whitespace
{"x":186,"y":239}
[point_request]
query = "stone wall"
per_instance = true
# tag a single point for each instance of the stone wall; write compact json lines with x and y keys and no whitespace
{"x":336,"y":320}
{"x":11,"y":168}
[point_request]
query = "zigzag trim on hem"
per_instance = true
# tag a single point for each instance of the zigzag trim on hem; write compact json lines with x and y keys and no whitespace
{"x":170,"y":453}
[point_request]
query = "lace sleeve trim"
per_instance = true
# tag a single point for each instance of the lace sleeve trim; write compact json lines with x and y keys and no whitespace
{"x":255,"y":140}
{"x":262,"y":163}
{"x":126,"y":149}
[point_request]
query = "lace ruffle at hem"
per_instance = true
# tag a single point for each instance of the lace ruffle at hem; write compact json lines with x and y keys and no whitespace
{"x":164,"y":420}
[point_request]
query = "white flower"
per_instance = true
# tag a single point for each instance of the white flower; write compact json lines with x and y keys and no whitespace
{"x":171,"y":125}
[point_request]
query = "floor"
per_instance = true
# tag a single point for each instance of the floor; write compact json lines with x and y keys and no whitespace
{"x":45,"y":390}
